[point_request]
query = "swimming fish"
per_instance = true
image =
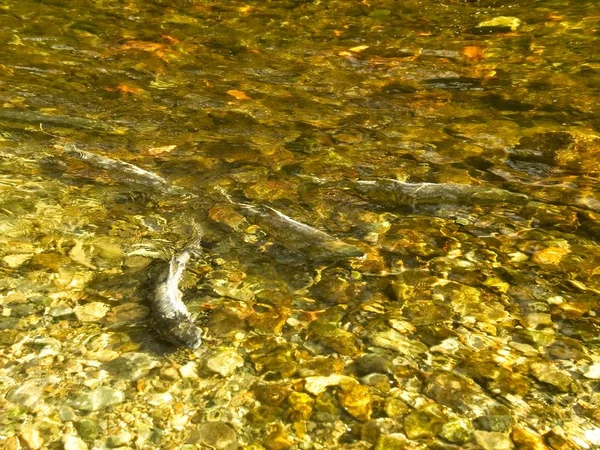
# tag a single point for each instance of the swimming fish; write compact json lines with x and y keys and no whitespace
{"x":298,"y":236}
{"x":415,"y":194}
{"x":128,"y":172}
{"x":35,"y":117}
{"x":171,"y":318}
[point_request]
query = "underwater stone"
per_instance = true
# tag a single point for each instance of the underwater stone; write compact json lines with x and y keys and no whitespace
{"x":131,"y":366}
{"x":394,"y":441}
{"x":527,"y":439}
{"x":316,"y":385}
{"x":550,"y":255}
{"x":497,"y":422}
{"x":189,"y":370}
{"x":66,"y":413}
{"x":91,"y":312}
{"x":30,"y":437}
{"x":394,"y":407}
{"x":278,"y":440}
{"x":393,"y":340}
{"x":372,"y":363}
{"x":300,"y":406}
{"x":356,"y":400}
{"x":27,"y":394}
{"x":546,"y":373}
{"x":14,"y":261}
{"x":97,"y":399}
{"x":457,"y":392}
{"x":492,"y":440}
{"x":423,"y":423}
{"x":457,"y":431}
{"x":74,"y":443}
{"x":213,"y":434}
{"x":224,"y":362}
{"x":501,"y":22}
{"x":334,"y":338}
{"x":87,"y":429}
{"x":592,"y":371}
{"x":119,"y":440}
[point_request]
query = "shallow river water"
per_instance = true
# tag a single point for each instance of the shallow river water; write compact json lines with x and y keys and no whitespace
{"x":399,"y":212}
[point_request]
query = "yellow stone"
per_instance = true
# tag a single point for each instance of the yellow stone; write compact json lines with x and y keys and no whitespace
{"x":356,"y":400}
{"x":550,"y":255}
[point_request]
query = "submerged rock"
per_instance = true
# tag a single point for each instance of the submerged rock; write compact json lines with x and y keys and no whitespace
{"x":131,"y":366}
{"x":457,"y":431}
{"x":426,"y":422}
{"x":547,"y":373}
{"x":500,"y":24}
{"x":74,"y":443}
{"x":356,"y":400}
{"x":91,"y":312}
{"x":492,"y":440}
{"x":217,"y":435}
{"x":30,"y":437}
{"x":97,"y":399}
{"x":87,"y":429}
{"x":224,"y":362}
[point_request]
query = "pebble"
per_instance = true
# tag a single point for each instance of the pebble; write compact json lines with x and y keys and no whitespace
{"x":492,"y":440}
{"x":224,"y":362}
{"x":550,"y":255}
{"x":14,"y":261}
{"x":189,"y":370}
{"x":391,"y":442}
{"x":423,"y":423}
{"x":457,"y":431}
{"x":213,"y":434}
{"x":87,"y":429}
{"x":97,"y":399}
{"x":356,"y":400}
{"x":66,"y":413}
{"x":592,"y":372}
{"x":74,"y":443}
{"x":396,"y":341}
{"x":60,"y":311}
{"x":119,"y":440}
{"x":317,"y":385}
{"x":131,"y":366}
{"x":546,"y":373}
{"x":278,"y":440}
{"x":27,"y":394}
{"x":501,"y":22}
{"x":91,"y":312}
{"x":528,"y":439}
{"x":31,"y":438}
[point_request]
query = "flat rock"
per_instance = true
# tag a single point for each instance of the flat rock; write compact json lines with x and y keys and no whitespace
{"x":91,"y":312}
{"x":74,"y":443}
{"x":224,"y":362}
{"x":492,"y":440}
{"x":97,"y":399}
{"x":214,"y":435}
{"x":131,"y":366}
{"x":316,"y":385}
